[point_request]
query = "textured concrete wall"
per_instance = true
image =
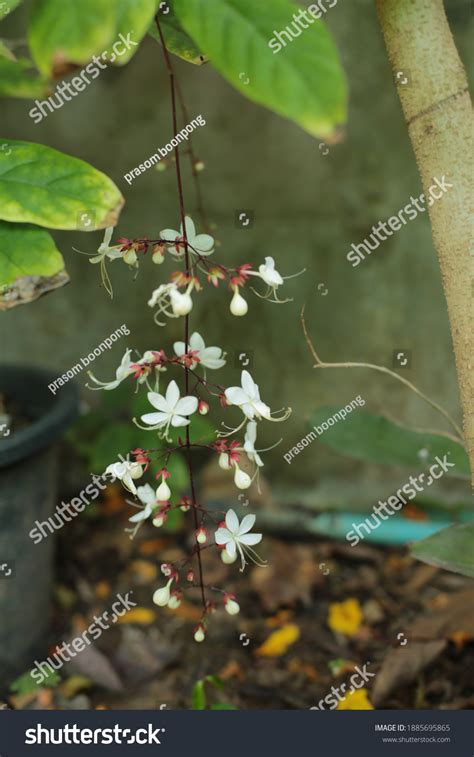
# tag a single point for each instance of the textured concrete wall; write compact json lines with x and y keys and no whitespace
{"x":309,"y":208}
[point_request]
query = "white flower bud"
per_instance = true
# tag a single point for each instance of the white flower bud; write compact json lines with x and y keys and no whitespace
{"x":199,"y":634}
{"x":224,"y":461}
{"x":226,"y":558}
{"x":130,"y":257}
{"x":202,"y":535}
{"x":161,"y":597}
{"x":232,"y":607}
{"x":175,"y":601}
{"x":159,"y":520}
{"x":182,"y":304}
{"x":136,"y":470}
{"x":163,"y":493}
{"x":238,"y":305}
{"x":242,"y":480}
{"x":158,"y":257}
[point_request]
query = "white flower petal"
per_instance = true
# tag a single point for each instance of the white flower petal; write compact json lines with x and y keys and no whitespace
{"x":204,"y":243}
{"x":186,"y":406}
{"x":154,"y":419}
{"x":232,"y":521}
{"x":222,"y":536}
{"x":178,"y":420}
{"x":158,"y":401}
{"x":247,"y":523}
{"x":236,"y":395}
{"x":250,"y":539}
{"x":172,"y":394}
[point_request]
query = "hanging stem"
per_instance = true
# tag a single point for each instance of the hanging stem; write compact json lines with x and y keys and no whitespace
{"x":187,"y":445}
{"x":382,"y":369}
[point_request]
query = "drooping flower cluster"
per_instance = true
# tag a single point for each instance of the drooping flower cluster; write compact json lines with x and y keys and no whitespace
{"x":174,"y":404}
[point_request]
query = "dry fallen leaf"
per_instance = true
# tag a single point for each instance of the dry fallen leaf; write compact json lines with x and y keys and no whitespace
{"x":279,"y":641}
{"x":401,"y":666}
{"x":289,"y":578}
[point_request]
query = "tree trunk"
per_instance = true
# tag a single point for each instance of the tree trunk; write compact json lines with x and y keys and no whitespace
{"x":433,"y":90}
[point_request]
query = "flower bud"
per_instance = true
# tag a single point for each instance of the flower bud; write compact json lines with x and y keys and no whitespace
{"x":160,"y":519}
{"x":175,"y":600}
{"x":238,"y":305}
{"x":226,"y":558}
{"x":224,"y":461}
{"x":163,"y":493}
{"x":202,"y":535}
{"x":242,"y":480}
{"x":190,"y":576}
{"x":199,"y":633}
{"x":136,"y":470}
{"x":203,"y":407}
{"x":166,"y":569}
{"x":130,"y":257}
{"x":181,"y":304}
{"x":199,"y":166}
{"x":161,"y":597}
{"x":231,"y":606}
{"x":185,"y":504}
{"x":158,"y":254}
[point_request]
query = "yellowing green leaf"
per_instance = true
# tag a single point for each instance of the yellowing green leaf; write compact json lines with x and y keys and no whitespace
{"x":30,"y":264}
{"x":46,"y":187}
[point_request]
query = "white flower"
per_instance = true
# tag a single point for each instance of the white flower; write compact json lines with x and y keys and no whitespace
{"x":181,"y":303}
{"x":170,"y":301}
{"x":123,"y":371}
{"x":126,"y":472}
{"x":107,"y":251}
{"x":236,"y":537}
{"x":209,"y":357}
{"x":269,"y":275}
{"x":202,"y":244}
{"x":146,"y":495}
{"x":249,"y":444}
{"x":172,"y":409}
{"x":247,"y":398}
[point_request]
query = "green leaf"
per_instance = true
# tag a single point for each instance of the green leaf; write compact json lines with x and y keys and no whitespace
{"x":46,"y":187}
{"x":30,"y":264}
{"x":26,"y":684}
{"x":18,"y":79}
{"x":303,"y":82}
{"x":71,"y":32}
{"x":367,"y":436}
{"x":7,"y":6}
{"x":451,"y":549}
{"x":133,"y":17}
{"x":115,"y":439}
{"x":177,"y":40}
{"x":222,"y":706}
{"x":198,"y":699}
{"x":64,"y":31}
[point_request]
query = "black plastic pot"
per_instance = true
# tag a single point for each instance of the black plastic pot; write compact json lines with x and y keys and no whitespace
{"x":28,"y":481}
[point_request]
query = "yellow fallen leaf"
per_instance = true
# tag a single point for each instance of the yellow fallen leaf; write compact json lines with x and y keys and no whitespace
{"x":74,"y":685}
{"x":356,"y":700}
{"x":146,"y":572}
{"x":279,"y":641}
{"x":142,"y":616}
{"x":345,"y":617}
